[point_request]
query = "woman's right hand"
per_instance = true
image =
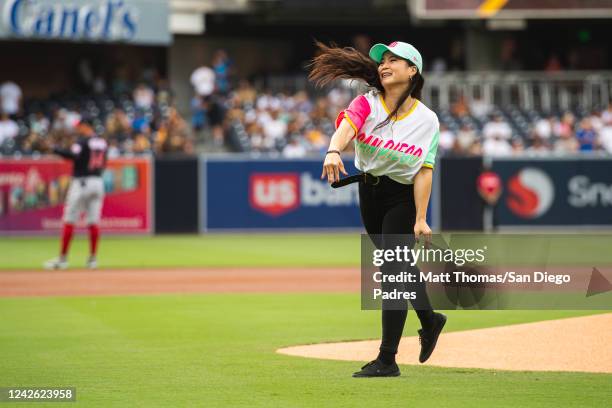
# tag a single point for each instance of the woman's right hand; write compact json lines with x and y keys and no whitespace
{"x":332,"y":166}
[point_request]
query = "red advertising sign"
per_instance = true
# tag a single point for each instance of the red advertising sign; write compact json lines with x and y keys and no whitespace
{"x":274,"y":193}
{"x":32,"y":194}
{"x":489,"y":187}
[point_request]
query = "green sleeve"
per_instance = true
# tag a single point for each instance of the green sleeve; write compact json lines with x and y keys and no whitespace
{"x":430,"y":159}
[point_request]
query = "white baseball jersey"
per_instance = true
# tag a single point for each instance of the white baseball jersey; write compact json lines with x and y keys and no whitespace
{"x":397,"y":150}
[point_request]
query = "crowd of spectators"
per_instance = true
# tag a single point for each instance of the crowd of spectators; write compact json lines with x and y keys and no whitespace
{"x":296,"y":124}
{"x":547,"y":134}
{"x":140,"y":118}
{"x":293,"y":124}
{"x":135,"y":119}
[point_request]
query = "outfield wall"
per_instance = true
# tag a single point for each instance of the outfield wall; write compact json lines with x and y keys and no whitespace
{"x":242,"y":193}
{"x":553,"y":192}
{"x":176,"y":195}
{"x":537,"y":192}
{"x":32,"y":192}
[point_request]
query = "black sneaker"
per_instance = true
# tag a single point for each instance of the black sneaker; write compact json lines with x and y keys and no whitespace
{"x":377,"y":368}
{"x":429,"y":338}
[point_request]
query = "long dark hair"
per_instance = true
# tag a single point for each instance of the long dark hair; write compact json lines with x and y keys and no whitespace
{"x":334,"y":62}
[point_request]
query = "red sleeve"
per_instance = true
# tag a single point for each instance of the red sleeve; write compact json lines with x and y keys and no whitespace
{"x":356,"y":114}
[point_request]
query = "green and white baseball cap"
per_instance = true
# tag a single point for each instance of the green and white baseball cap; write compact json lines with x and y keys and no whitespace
{"x":401,"y":49}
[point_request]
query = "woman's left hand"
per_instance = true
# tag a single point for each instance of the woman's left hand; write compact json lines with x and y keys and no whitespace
{"x":421,"y":228}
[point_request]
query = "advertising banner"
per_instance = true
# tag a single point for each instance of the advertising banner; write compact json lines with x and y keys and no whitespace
{"x":275,"y":194}
{"x":32,"y":194}
{"x":129,"y":21}
{"x":559,"y":192}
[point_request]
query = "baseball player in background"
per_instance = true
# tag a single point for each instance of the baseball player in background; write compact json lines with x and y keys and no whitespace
{"x":85,"y":194}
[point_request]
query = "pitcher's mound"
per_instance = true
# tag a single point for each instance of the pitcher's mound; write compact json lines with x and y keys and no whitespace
{"x":574,"y":344}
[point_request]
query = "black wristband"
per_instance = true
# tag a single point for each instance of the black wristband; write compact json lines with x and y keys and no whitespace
{"x":333,"y":151}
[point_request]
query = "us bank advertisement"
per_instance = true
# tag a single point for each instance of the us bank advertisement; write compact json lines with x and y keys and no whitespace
{"x":274,"y":194}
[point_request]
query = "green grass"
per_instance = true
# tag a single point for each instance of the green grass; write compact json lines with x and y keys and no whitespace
{"x":299,"y":250}
{"x":191,"y":251}
{"x":219,"y":351}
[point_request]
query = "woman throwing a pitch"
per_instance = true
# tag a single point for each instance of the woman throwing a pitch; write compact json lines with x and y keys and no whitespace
{"x":396,"y":138}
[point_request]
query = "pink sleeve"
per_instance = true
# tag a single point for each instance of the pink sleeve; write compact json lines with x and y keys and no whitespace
{"x":356,"y":114}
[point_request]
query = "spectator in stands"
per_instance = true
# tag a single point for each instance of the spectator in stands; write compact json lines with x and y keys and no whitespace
{"x":143,"y":96}
{"x":606,"y":115}
{"x":203,"y":81}
{"x":294,"y":149}
{"x":338,"y":98}
{"x":164,"y":93}
{"x":586,"y":136}
{"x":460,"y":108}
{"x":141,"y":122}
{"x":66,"y":120}
{"x":543,"y":128}
{"x":215,"y":108}
{"x":221,"y":65}
{"x":198,"y":113}
{"x":303,"y":103}
{"x":480,"y":108}
{"x":31,"y":144}
{"x":173,"y":134}
{"x":497,"y":128}
{"x":538,"y":145}
{"x":118,"y":125}
{"x":466,"y":137}
{"x":39,"y":123}
{"x":274,"y":129}
{"x":566,"y":143}
{"x":565,"y":127}
{"x":8,"y":128}
{"x":605,"y":136}
{"x":131,"y":133}
{"x":267,"y":101}
{"x":475,"y":149}
{"x":245,"y":93}
{"x":496,"y":145}
{"x":446,"y":141}
{"x":317,"y":139}
{"x":596,"y":121}
{"x":256,"y":137}
{"x":10,"y":98}
{"x":518,"y":147}
{"x":142,"y":143}
{"x":113,"y":149}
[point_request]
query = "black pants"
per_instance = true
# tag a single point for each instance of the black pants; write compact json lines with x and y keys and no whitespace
{"x":388,"y":212}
